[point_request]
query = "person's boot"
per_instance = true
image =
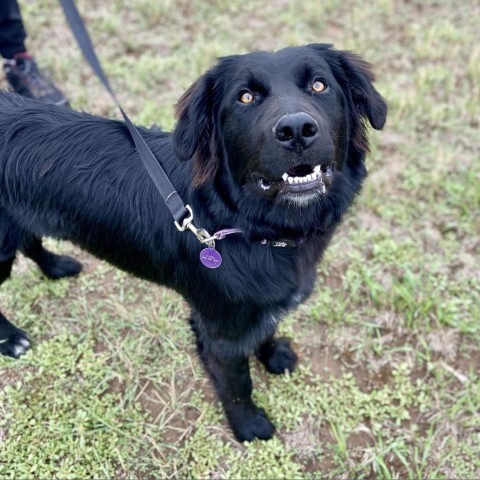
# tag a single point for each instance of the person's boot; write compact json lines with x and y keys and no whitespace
{"x":26,"y":79}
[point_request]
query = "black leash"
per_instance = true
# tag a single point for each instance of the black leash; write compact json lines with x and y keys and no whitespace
{"x":182,"y":214}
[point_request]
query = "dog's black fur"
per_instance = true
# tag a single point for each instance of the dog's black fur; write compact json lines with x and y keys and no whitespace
{"x":78,"y":177}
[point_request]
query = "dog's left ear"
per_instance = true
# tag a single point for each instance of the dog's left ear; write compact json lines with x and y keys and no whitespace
{"x":356,"y":78}
{"x":195,"y":135}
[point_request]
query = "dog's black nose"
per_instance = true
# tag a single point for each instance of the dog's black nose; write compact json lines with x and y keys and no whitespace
{"x":296,"y":130}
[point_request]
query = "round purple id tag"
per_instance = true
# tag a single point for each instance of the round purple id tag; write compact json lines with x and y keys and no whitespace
{"x":210,"y":258}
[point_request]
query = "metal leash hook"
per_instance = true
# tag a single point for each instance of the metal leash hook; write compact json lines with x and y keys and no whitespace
{"x":202,"y":235}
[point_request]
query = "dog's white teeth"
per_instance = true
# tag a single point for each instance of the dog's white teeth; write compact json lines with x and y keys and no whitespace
{"x":317,"y":168}
{"x":305,"y":179}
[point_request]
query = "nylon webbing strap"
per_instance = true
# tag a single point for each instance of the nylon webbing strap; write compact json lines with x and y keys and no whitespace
{"x":155,"y":170}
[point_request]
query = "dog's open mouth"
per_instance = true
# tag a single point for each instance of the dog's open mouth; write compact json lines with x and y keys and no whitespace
{"x":299,"y":179}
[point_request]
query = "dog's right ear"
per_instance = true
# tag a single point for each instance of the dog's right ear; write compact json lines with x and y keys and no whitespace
{"x":195,"y":135}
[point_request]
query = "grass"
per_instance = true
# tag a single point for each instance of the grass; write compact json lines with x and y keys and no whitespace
{"x":389,"y":379}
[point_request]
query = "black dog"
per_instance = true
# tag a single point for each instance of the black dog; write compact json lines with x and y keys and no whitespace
{"x":277,"y":144}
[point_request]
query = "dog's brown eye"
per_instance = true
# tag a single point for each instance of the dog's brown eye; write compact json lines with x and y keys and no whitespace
{"x":318,"y":86}
{"x":246,"y":97}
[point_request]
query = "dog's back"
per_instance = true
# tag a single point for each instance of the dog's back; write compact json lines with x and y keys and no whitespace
{"x":62,"y":170}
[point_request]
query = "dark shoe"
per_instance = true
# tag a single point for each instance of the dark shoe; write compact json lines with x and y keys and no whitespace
{"x":27,"y":80}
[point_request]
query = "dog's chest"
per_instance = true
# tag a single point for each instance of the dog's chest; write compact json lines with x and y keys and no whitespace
{"x":265,"y":275}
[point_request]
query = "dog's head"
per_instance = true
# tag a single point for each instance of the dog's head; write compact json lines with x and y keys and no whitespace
{"x":282,"y":126}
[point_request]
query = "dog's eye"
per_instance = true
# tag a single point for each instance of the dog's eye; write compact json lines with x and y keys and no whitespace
{"x":246,"y":98}
{"x":319,"y":86}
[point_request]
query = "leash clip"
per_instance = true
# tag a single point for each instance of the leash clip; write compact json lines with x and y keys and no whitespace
{"x":186,"y":221}
{"x":202,"y":235}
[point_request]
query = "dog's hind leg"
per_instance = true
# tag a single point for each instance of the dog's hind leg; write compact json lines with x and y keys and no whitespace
{"x":277,"y":355}
{"x":52,"y":265}
{"x":13,"y":341}
{"x":229,"y":369}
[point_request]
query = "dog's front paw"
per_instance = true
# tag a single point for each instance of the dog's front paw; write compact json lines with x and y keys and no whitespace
{"x":249,"y":422}
{"x":60,"y":266}
{"x":277,"y":355}
{"x":15,"y":345}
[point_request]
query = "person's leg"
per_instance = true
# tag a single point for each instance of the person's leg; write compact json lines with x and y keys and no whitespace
{"x":12,"y":31}
{"x":20,"y":67}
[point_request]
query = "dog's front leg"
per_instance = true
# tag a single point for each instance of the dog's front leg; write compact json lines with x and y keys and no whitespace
{"x":229,"y":369}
